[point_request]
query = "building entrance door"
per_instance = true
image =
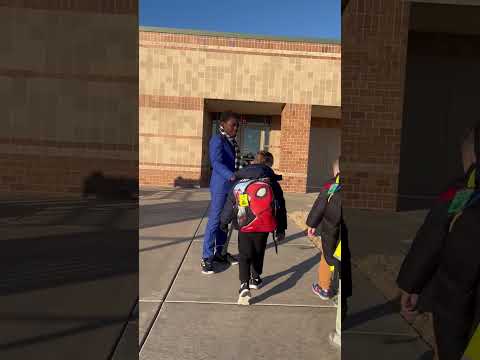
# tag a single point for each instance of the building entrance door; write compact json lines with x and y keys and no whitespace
{"x":253,"y":138}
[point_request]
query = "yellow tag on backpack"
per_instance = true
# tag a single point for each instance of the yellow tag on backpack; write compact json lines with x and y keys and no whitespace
{"x":243,"y":200}
{"x":337,"y":254}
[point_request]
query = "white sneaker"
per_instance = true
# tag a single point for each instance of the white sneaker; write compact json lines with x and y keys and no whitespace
{"x":335,"y":339}
{"x":244,"y":295}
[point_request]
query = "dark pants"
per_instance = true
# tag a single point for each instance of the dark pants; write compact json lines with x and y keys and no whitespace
{"x":251,"y":248}
{"x":451,"y":336}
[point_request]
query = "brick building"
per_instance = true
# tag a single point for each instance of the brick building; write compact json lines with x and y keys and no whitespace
{"x":70,"y":98}
{"x":410,"y":80}
{"x":286,"y":90}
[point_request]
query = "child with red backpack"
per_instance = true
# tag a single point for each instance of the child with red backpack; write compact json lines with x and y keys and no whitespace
{"x":256,"y":207}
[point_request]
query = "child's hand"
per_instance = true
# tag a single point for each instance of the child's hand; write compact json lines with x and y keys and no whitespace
{"x":280,"y":237}
{"x":408,"y":304}
{"x":311,"y":232}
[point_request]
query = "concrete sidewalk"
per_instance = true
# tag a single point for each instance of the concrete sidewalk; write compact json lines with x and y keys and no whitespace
{"x":55,"y":252}
{"x":187,"y":315}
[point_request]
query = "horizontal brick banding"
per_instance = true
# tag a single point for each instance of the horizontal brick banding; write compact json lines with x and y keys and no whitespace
{"x":68,"y":145}
{"x":201,"y":176}
{"x":22,"y":73}
{"x":95,"y":6}
{"x":171,"y":165}
{"x":50,"y":174}
{"x":158,"y":37}
{"x":171,"y":102}
{"x":243,"y":52}
{"x":169,"y":136}
{"x":326,"y":123}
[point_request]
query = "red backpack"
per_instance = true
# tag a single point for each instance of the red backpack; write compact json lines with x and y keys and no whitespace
{"x":255,"y":203}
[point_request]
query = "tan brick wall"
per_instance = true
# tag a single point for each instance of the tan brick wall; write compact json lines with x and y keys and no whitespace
{"x":55,"y":174}
{"x":223,"y":68}
{"x":179,"y":71}
{"x":374,"y":43}
{"x":73,"y":98}
{"x":294,"y":146}
{"x":169,"y":177}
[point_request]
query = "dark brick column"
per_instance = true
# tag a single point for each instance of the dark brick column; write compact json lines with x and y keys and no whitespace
{"x":374,"y":44}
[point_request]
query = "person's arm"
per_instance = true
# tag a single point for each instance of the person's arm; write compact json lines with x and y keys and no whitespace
{"x":329,"y":243}
{"x":217,"y":159}
{"x":226,"y":216}
{"x":318,"y":209}
{"x":421,"y":261}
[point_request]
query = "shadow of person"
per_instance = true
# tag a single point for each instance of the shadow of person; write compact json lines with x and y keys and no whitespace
{"x":185,"y":183}
{"x":287,"y":239}
{"x":221,"y":267}
{"x":296,"y":272}
{"x":110,"y":188}
{"x":375,"y":312}
{"x":428,"y":355}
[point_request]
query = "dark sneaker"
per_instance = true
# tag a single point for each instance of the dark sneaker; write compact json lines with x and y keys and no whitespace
{"x":207,"y":267}
{"x":324,"y":294}
{"x":226,"y":259}
{"x":244,"y":294}
{"x":256,"y":283}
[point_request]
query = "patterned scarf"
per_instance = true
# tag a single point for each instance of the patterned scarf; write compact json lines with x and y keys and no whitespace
{"x":231,"y":140}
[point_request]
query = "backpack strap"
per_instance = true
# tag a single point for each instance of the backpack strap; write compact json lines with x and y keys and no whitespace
{"x":275,"y":242}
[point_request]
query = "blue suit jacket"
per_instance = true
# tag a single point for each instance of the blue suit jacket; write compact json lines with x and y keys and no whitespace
{"x":222,"y":159}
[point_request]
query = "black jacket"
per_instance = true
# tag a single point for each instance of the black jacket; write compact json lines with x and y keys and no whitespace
{"x":257,"y":171}
{"x":423,"y":258}
{"x":449,"y":263}
{"x":456,"y":288}
{"x":327,"y":217}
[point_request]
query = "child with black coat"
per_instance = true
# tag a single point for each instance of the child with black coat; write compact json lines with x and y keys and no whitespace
{"x":252,"y":245}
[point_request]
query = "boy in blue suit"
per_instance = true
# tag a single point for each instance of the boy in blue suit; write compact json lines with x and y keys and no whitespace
{"x":225,"y":160}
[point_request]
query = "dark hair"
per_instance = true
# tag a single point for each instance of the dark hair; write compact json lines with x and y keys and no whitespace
{"x":264,"y":157}
{"x":224,"y":116}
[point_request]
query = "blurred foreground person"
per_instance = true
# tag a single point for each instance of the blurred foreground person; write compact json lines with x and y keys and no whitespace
{"x":445,"y":256}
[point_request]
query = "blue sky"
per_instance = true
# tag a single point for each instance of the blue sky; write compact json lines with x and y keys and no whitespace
{"x":292,"y":18}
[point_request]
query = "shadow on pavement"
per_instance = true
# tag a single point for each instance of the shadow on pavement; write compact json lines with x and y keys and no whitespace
{"x":165,"y":244}
{"x":89,"y":326}
{"x":46,"y":272}
{"x":52,"y":261}
{"x":375,"y":312}
{"x":288,"y":239}
{"x":162,"y":214}
{"x":429,"y":355}
{"x":296,"y":272}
